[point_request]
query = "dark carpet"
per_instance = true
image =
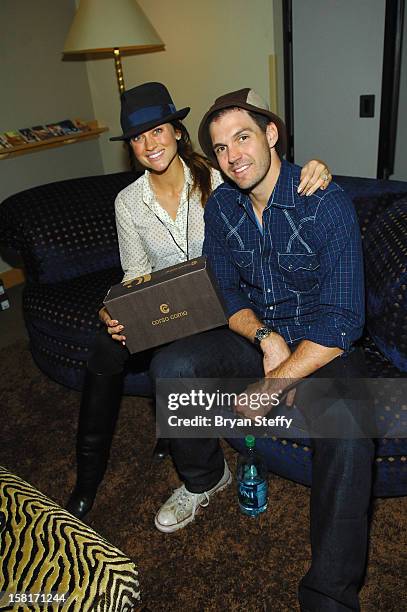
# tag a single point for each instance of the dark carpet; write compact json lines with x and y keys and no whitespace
{"x":224,"y":560}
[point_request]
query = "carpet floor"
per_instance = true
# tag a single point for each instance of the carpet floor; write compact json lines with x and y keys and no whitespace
{"x":223,"y":561}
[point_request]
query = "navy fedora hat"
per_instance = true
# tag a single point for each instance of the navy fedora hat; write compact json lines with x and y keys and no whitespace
{"x":146,"y":106}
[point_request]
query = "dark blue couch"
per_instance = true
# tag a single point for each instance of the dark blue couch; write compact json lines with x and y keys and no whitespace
{"x":382,"y":211}
{"x":66,"y":235}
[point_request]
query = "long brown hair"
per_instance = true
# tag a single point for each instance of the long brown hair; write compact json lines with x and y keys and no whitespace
{"x":199,"y":165}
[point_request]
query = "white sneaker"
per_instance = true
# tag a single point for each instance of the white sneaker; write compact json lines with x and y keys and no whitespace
{"x":181,"y":507}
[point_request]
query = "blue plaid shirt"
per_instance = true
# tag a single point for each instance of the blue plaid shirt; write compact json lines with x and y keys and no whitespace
{"x":302,"y":273}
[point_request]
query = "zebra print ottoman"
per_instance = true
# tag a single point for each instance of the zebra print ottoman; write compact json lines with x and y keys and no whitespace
{"x":50,"y":560}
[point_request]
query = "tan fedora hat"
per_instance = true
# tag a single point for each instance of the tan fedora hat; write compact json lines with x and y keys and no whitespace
{"x":249,"y":100}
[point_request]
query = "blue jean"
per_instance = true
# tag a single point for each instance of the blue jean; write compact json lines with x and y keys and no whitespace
{"x":341,"y":469}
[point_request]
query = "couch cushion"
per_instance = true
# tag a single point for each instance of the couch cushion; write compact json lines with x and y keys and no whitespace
{"x":68,"y":311}
{"x":62,"y":320}
{"x":378,"y":366}
{"x":292,"y":459}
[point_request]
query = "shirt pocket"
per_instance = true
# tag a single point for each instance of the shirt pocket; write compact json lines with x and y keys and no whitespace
{"x":244,"y":263}
{"x":244,"y":259}
{"x":299,"y":270}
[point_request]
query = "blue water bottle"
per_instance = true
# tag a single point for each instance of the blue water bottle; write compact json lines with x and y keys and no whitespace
{"x":251,"y":480}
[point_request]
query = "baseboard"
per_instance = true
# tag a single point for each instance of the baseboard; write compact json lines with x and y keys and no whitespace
{"x":12,"y":277}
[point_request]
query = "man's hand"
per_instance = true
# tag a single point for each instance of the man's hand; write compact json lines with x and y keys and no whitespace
{"x":314,"y":175}
{"x":275,"y":351}
{"x":114,"y":328}
{"x":262,"y":396}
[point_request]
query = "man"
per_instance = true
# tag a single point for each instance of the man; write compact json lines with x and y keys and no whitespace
{"x":291,"y":276}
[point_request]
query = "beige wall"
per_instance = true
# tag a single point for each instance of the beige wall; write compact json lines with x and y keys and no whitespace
{"x":38,"y":87}
{"x":212,"y":46}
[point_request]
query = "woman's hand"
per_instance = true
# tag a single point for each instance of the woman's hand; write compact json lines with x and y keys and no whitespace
{"x":314,"y":175}
{"x":114,"y":328}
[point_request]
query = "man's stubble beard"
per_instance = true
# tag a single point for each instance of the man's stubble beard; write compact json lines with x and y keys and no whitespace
{"x":263,"y":171}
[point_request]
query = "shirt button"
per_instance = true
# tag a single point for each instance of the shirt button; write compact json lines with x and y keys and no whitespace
{"x":290,"y":267}
{"x":343,"y":334}
{"x":268,"y":290}
{"x":271,"y":307}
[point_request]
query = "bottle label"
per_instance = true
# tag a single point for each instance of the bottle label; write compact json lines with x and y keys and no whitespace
{"x":253,"y":495}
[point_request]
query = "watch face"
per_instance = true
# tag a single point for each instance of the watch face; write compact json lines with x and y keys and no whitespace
{"x":262,"y":333}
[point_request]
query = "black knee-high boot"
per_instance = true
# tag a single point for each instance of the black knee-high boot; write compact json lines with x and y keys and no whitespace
{"x":101,"y":397}
{"x":161,"y":449}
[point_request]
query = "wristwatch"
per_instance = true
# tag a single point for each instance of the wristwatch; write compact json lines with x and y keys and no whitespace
{"x":261,"y":334}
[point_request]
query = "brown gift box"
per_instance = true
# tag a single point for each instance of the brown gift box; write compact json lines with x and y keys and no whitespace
{"x":166,"y":305}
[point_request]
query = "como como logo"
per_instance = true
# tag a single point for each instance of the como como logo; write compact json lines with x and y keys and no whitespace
{"x":164,"y":308}
{"x":171,"y":317}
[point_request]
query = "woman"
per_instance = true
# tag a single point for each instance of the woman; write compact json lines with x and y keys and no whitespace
{"x":160,"y":223}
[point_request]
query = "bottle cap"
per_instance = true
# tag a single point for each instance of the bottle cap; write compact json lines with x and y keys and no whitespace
{"x":250,"y":441}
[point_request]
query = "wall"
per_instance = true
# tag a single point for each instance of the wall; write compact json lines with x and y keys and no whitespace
{"x":337,"y":56}
{"x":211,"y":47}
{"x":37,"y":87}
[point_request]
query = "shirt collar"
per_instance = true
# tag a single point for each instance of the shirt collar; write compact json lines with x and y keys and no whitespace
{"x":284,"y":194}
{"x":148,"y":193}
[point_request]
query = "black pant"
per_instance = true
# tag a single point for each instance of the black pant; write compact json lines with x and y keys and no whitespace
{"x":341,"y":468}
{"x":108,"y":356}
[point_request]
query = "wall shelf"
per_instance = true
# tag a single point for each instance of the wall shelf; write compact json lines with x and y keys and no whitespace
{"x":57,"y":141}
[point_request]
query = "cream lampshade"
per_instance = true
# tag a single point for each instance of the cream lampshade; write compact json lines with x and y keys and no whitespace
{"x":109,"y":27}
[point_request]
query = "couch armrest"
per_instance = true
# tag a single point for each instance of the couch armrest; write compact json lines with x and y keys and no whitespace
{"x":385,"y":250}
{"x":64,"y":229}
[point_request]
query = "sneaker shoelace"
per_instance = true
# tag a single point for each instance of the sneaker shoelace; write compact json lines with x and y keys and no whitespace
{"x":186,"y":498}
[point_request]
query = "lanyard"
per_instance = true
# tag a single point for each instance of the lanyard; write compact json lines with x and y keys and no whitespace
{"x":171,"y":234}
